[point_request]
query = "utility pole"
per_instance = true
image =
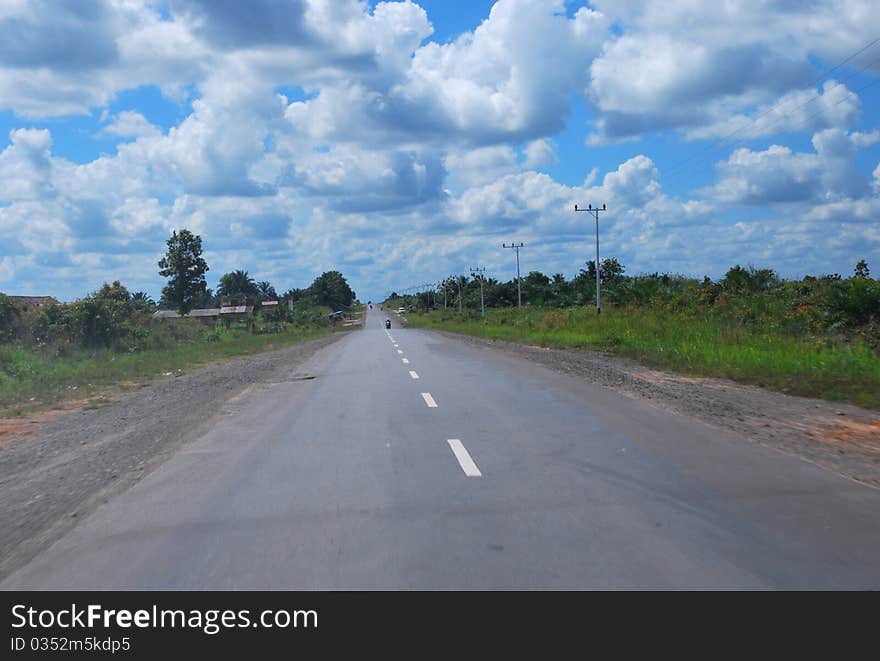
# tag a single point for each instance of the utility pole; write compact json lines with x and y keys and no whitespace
{"x":595,"y":213}
{"x":443,"y":282}
{"x":478,"y":273}
{"x":458,"y":280}
{"x":516,"y":246}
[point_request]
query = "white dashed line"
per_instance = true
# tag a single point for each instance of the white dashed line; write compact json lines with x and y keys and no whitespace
{"x":464,"y":459}
{"x":405,"y":361}
{"x":413,"y":374}
{"x":400,"y":351}
{"x":429,"y":400}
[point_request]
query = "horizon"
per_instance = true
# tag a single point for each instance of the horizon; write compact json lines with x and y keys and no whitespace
{"x":401,"y":143}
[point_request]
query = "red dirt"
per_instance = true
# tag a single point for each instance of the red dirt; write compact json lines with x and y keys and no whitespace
{"x":15,"y":428}
{"x":864,"y":434}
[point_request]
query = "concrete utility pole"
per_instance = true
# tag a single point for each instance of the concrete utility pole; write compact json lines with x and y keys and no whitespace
{"x":516,"y":246}
{"x":478,"y":273}
{"x":443,"y":283}
{"x":595,"y":213}
{"x":458,"y":280}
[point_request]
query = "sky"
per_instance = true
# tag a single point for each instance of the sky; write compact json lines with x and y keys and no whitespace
{"x":400,"y":143}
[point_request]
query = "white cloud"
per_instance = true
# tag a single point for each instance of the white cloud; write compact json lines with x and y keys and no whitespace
{"x":835,"y":106}
{"x":473,"y":167}
{"x":697,"y":67}
{"x":540,"y":153}
{"x":779,"y":175}
{"x":131,"y":124}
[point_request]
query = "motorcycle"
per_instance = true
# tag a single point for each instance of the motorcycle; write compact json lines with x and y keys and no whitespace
{"x":387,"y":323}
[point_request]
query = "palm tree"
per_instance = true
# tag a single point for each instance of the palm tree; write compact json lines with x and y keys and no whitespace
{"x":237,"y":285}
{"x":266,"y":291}
{"x":142,"y":299}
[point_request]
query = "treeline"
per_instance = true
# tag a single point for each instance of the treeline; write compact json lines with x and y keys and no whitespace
{"x":113,"y":318}
{"x":813,"y":306}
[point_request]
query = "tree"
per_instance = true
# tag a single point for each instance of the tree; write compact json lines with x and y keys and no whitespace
{"x":293,"y":296}
{"x":862,"y":271}
{"x":184,"y":265}
{"x":237,"y":285}
{"x":142,"y":299}
{"x":115,"y":292}
{"x":266,"y":291}
{"x":331,"y":289}
{"x":739,"y":279}
{"x":8,"y":316}
{"x":610,"y":271}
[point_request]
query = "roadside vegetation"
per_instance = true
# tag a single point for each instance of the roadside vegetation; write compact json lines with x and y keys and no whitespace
{"x":818,"y":337}
{"x":112,"y":336}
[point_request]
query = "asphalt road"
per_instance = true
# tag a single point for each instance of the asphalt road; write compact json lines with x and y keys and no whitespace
{"x":485,"y":471}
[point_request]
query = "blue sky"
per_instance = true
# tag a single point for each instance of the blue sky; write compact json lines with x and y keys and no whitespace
{"x":401,"y":142}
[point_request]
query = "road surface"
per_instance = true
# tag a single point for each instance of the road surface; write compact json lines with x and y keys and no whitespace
{"x":412,"y":460}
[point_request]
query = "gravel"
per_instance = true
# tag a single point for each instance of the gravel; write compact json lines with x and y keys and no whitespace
{"x":77,"y":461}
{"x":839,"y":437}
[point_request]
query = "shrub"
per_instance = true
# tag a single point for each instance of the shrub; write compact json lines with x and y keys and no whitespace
{"x":8,"y":319}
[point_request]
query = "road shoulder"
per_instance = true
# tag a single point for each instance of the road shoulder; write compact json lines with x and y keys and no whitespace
{"x":74,"y":462}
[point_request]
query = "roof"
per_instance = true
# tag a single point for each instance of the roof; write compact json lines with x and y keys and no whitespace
{"x":236,"y":309}
{"x":172,"y":314}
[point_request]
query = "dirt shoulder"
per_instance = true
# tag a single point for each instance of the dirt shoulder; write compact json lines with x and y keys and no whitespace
{"x":58,"y":466}
{"x":840,"y":437}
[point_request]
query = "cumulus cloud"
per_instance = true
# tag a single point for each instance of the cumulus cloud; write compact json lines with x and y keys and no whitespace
{"x":540,"y":153}
{"x":698,"y":67}
{"x":835,"y":106}
{"x":25,"y":167}
{"x":472,"y":167}
{"x":780,"y":175}
{"x":131,"y":124}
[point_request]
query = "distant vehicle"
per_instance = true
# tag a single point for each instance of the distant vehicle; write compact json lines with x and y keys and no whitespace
{"x":401,"y":310}
{"x":387,"y":323}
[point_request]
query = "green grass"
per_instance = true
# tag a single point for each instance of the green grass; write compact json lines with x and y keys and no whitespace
{"x":31,"y":380}
{"x":703,"y":346}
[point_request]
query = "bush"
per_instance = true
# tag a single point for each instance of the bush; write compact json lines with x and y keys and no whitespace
{"x":8,"y":319}
{"x":855,"y":302}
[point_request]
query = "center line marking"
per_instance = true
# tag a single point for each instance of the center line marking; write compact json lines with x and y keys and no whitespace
{"x":464,"y":459}
{"x":413,"y":374}
{"x":399,"y":351}
{"x":405,"y":361}
{"x":429,"y":400}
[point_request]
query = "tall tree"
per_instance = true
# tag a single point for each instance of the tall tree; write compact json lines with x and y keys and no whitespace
{"x":331,"y":289}
{"x":266,"y":291}
{"x":862,"y":272}
{"x":184,"y":266}
{"x":237,"y":285}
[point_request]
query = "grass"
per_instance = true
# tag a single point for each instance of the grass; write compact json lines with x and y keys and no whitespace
{"x":29,"y":380}
{"x":703,"y":346}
